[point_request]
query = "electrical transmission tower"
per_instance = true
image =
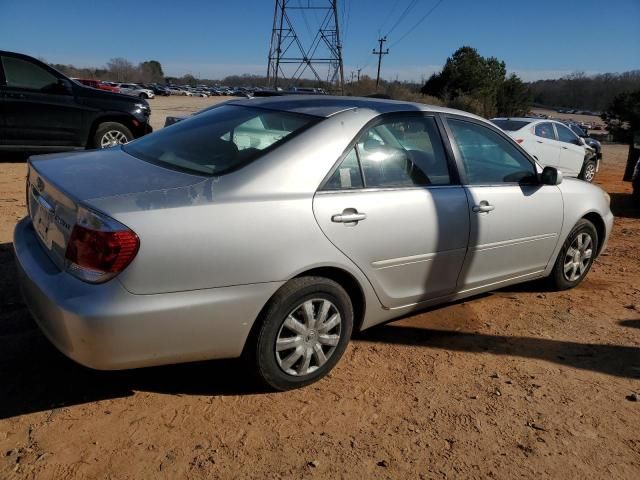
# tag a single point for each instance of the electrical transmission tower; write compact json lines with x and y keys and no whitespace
{"x":318,"y":55}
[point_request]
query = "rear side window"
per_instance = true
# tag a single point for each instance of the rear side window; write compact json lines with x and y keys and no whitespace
{"x":488,"y":158}
{"x":22,"y":74}
{"x":509,"y":125}
{"x":347,"y":175}
{"x":405,"y":151}
{"x":545,"y":130}
{"x":223,"y":139}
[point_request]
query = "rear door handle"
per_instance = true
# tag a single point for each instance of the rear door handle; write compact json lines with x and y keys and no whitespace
{"x":348,"y":215}
{"x":483,"y":207}
{"x":565,"y":148}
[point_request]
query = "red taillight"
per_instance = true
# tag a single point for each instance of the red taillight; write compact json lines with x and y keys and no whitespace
{"x":101,"y":252}
{"x":519,"y":140}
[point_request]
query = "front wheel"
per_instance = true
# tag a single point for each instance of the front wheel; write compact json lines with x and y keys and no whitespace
{"x":588,"y":172}
{"x":143,"y":95}
{"x":111,"y":134}
{"x":576,"y":256}
{"x":304,"y":331}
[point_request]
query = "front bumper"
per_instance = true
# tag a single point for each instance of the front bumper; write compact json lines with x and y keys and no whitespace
{"x":108,"y":328}
{"x":608,"y":225}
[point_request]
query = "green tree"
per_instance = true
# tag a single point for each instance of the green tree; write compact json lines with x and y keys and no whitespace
{"x":623,"y":120}
{"x":151,"y":72}
{"x":469,"y":79}
{"x":514,"y":97}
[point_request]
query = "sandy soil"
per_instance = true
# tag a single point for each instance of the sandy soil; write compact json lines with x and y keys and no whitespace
{"x":519,"y":383}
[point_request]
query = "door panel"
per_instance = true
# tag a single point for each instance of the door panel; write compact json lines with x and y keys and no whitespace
{"x":571,"y":154}
{"x":412,"y":243}
{"x":34,"y":118}
{"x":514,"y":221}
{"x":516,"y":237}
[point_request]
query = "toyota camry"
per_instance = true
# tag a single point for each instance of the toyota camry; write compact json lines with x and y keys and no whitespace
{"x":274,"y":228}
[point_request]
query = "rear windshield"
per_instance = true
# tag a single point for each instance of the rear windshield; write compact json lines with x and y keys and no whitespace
{"x":220,"y":140}
{"x":510,"y":125}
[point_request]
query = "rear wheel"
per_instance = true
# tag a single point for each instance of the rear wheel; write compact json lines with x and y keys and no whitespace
{"x":111,"y":134}
{"x":576,"y":256}
{"x":304,"y":331}
{"x":588,"y":172}
{"x":143,"y":95}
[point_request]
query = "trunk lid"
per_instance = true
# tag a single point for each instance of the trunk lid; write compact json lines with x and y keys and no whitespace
{"x":58,"y":184}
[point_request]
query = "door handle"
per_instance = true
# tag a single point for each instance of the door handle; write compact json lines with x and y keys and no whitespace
{"x":348,"y":215}
{"x":539,"y":141}
{"x":565,"y":148}
{"x":483,"y":207}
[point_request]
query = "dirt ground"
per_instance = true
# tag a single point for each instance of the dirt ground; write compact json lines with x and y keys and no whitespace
{"x":521,"y":383}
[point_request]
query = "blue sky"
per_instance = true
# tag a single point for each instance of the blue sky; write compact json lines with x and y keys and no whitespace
{"x":536,"y":39}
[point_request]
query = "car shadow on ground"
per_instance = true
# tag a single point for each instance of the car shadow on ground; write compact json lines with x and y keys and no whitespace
{"x":630,"y":323}
{"x":622,"y":205}
{"x":35,"y":377}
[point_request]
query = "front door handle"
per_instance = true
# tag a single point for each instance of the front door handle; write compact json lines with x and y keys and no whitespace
{"x":483,"y":207}
{"x":349,"y":215}
{"x":565,"y":148}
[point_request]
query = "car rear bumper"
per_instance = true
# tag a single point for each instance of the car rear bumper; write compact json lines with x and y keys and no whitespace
{"x":106,"y":327}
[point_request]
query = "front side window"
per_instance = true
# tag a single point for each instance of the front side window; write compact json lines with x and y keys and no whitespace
{"x":219,"y":140}
{"x":23,"y":74}
{"x":488,"y":158}
{"x":565,"y":135}
{"x":545,"y":130}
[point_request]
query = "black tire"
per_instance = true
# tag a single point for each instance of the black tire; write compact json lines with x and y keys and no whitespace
{"x":143,"y":95}
{"x":588,"y":172}
{"x":261,"y":349}
{"x":559,"y":280}
{"x":109,"y":128}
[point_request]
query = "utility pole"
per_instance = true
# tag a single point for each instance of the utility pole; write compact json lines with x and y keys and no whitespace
{"x":359,"y":74}
{"x":352,"y":74}
{"x":380,"y":52}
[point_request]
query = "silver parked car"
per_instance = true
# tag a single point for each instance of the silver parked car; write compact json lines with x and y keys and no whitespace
{"x":275,"y":227}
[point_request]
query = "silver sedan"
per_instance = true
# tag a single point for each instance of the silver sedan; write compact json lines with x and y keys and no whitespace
{"x":274,"y":228}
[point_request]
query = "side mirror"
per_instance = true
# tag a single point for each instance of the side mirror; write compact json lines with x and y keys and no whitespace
{"x":580,"y":141}
{"x":551,"y":176}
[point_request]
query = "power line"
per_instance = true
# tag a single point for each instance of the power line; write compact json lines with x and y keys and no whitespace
{"x":417,"y":24}
{"x":388,"y":17}
{"x":402,"y":16}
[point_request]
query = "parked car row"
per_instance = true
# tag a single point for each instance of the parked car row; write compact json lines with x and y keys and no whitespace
{"x":553,"y":144}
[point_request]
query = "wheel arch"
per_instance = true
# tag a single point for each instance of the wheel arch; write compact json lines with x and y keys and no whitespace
{"x":350,"y":284}
{"x":126,"y":120}
{"x":601,"y":229}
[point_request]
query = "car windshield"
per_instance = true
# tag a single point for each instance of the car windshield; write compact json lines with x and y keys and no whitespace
{"x":223,"y":139}
{"x":509,"y":125}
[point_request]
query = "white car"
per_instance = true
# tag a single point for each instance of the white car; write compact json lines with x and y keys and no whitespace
{"x":135,"y":90}
{"x":552,"y":144}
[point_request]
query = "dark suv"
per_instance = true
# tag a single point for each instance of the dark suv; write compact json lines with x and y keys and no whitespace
{"x":41,"y":109}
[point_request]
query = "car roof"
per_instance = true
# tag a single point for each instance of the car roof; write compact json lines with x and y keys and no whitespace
{"x":328,"y":105}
